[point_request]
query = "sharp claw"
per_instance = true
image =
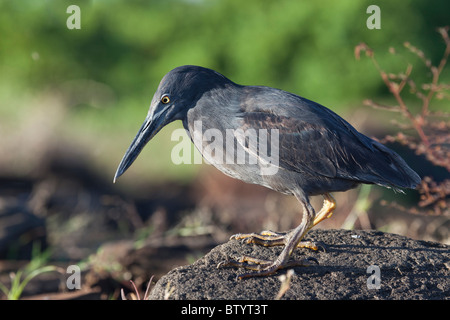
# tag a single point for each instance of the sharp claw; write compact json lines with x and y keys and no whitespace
{"x":322,"y":246}
{"x":231,"y":263}
{"x":264,"y":267}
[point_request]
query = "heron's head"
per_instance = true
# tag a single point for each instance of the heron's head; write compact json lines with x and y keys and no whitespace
{"x":178,"y":91}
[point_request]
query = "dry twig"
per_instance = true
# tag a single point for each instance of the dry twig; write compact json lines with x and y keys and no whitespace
{"x":432,"y":128}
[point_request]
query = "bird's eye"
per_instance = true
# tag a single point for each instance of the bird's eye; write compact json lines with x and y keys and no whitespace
{"x":165,"y":99}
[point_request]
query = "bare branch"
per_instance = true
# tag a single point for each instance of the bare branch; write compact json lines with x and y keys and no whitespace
{"x":433,"y":133}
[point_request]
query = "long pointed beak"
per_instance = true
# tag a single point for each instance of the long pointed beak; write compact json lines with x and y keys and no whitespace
{"x":150,"y":127}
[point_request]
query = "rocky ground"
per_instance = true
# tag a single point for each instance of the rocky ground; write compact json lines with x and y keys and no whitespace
{"x":408,"y":269}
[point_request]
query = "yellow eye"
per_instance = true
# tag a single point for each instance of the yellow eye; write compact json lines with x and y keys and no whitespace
{"x":165,"y":99}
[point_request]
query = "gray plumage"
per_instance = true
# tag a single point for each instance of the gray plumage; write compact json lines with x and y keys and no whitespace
{"x":318,"y":151}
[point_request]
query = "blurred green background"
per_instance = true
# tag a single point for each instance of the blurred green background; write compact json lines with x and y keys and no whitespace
{"x":78,"y":97}
{"x":87,"y":91}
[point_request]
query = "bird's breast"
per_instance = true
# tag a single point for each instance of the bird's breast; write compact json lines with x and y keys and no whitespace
{"x":236,"y":152}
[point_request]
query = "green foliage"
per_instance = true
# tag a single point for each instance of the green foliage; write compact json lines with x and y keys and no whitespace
{"x":130,"y":45}
{"x":18,"y":284}
{"x":305,"y":47}
{"x":22,"y":277}
{"x":301,"y":46}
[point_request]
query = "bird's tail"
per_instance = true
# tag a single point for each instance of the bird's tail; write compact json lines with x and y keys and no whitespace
{"x":396,"y":174}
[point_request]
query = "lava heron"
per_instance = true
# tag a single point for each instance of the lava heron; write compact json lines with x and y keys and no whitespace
{"x":312,"y":150}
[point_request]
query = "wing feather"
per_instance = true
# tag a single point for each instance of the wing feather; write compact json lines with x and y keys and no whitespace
{"x":314,"y":140}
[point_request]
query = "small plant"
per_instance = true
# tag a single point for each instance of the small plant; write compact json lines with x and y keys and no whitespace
{"x":22,"y":277}
{"x":135,"y":295}
{"x":432,"y":128}
{"x":18,"y":284}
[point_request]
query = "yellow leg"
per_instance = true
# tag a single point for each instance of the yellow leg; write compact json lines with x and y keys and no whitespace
{"x":256,"y":264}
{"x":270,"y":238}
{"x":265,"y":238}
{"x":329,"y":204}
{"x":290,"y":241}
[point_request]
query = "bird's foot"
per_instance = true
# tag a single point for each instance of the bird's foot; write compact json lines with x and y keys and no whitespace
{"x":266,"y":238}
{"x":270,"y":238}
{"x":264,"y":267}
{"x":313,"y":245}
